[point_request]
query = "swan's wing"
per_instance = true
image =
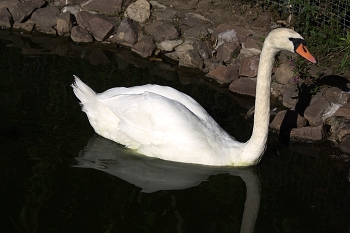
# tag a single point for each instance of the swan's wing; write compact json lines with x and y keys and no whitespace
{"x":160,"y":125}
{"x":164,"y":91}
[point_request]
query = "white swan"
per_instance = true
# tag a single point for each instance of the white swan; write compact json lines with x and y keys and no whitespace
{"x":162,"y":122}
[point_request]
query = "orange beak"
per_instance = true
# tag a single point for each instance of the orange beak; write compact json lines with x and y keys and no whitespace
{"x":302,"y":51}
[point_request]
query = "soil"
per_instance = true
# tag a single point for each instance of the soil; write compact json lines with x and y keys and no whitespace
{"x":246,"y":14}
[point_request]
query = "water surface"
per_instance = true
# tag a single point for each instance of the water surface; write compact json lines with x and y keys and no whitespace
{"x":58,"y":176}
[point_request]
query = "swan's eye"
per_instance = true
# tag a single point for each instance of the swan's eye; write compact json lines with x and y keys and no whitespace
{"x":297,"y":42}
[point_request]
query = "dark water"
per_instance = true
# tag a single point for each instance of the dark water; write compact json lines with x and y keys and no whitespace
{"x":48,"y":149}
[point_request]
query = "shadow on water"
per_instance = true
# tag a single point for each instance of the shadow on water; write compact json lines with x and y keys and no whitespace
{"x":43,"y":132}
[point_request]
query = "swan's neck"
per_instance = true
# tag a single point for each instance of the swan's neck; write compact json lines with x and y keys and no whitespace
{"x":255,"y":147}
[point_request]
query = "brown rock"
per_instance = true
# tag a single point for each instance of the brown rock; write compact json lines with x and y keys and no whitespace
{"x":162,"y":31}
{"x":127,"y":32}
{"x":100,"y":28}
{"x":64,"y":24}
{"x":196,"y":32}
{"x":243,"y":86}
{"x":308,"y":134}
{"x":27,"y":26}
{"x":46,"y":17}
{"x":144,"y":47}
{"x":290,"y":95}
{"x":284,"y":74}
{"x":343,"y":111}
{"x":315,"y":112}
{"x":189,"y":19}
{"x":21,"y":11}
{"x":345,"y":144}
{"x":191,"y":58}
{"x":79,"y":34}
{"x":83,"y":19}
{"x":286,"y":120}
{"x":249,"y":66}
{"x":224,"y":74}
{"x":253,"y":42}
{"x":6,"y":19}
{"x":227,"y":51}
{"x":212,"y":63}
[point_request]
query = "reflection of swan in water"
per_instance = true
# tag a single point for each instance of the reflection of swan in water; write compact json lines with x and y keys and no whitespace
{"x":152,"y":174}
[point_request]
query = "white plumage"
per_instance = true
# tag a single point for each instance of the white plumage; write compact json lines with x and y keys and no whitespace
{"x":162,"y":122}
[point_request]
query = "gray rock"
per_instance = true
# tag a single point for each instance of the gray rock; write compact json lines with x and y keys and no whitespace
{"x":175,"y":55}
{"x":243,"y":86}
{"x":196,"y":32}
{"x":277,"y":90}
{"x":139,"y":11}
{"x":100,"y":28}
{"x":144,"y":47}
{"x":64,"y":24}
{"x":6,"y":19}
{"x":127,"y":33}
{"x":108,"y":7}
{"x":72,"y":9}
{"x":284,"y":74}
{"x":79,"y":34}
{"x":315,"y":112}
{"x":337,"y":95}
{"x":166,"y":14}
{"x":185,"y":46}
{"x":241,"y":33}
{"x":21,"y":11}
{"x":286,"y":120}
{"x":68,"y":2}
{"x":249,"y":66}
{"x":168,"y":45}
{"x":308,"y":134}
{"x":203,"y":49}
{"x":343,"y":111}
{"x":191,"y":59}
{"x":227,"y":51}
{"x":162,"y":31}
{"x":27,"y":26}
{"x":345,"y":144}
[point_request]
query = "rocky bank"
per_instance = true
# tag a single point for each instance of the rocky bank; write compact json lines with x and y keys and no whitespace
{"x":222,"y":39}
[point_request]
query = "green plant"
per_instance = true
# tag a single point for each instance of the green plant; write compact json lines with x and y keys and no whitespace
{"x":302,"y":78}
{"x":322,"y":31}
{"x":344,"y":47}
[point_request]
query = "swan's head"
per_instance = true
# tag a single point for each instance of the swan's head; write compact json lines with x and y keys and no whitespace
{"x":287,"y":39}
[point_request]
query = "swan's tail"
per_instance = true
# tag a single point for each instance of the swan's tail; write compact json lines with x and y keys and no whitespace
{"x":83,"y":92}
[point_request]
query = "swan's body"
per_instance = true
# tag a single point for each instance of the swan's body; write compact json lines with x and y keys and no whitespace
{"x":162,"y":122}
